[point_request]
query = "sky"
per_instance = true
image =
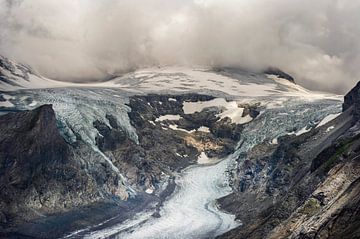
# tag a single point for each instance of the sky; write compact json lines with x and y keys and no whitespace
{"x":318,"y":42}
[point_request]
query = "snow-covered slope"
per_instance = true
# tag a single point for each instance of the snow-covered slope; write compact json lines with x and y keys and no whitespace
{"x":228,"y":82}
{"x":14,"y":76}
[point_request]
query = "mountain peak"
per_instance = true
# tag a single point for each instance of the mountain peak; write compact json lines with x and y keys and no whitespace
{"x":279,"y":73}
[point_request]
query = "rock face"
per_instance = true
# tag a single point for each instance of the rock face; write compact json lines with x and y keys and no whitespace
{"x":352,"y":99}
{"x":279,"y":73}
{"x":307,"y":186}
{"x":40,"y":173}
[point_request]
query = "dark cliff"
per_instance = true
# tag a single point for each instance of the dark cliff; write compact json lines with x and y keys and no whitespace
{"x":39,"y":172}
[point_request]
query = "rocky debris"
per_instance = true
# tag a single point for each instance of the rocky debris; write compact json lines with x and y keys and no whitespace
{"x":279,"y":73}
{"x":307,"y":186}
{"x":109,"y":138}
{"x":163,"y":149}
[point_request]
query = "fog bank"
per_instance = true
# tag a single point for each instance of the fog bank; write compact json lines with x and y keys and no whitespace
{"x":318,"y":42}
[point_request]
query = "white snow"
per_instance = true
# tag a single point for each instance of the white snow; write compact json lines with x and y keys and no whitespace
{"x":172,"y":99}
{"x":176,"y":127}
{"x":33,"y":104}
{"x":330,"y":128}
{"x":203,"y":129}
{"x":203,"y":159}
{"x":168,"y":117}
{"x":327,"y":119}
{"x":185,"y":79}
{"x":301,"y":131}
{"x":229,"y":109}
{"x":198,"y":106}
{"x":275,"y":141}
{"x":182,"y":79}
{"x":6,"y":104}
{"x":149,"y":190}
{"x":235,"y":114}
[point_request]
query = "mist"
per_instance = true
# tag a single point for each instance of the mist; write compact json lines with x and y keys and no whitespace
{"x":318,"y":42}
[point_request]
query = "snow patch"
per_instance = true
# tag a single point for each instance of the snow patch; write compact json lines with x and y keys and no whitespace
{"x":275,"y":141}
{"x":330,"y":128}
{"x":203,"y":159}
{"x":327,"y":119}
{"x":301,"y":131}
{"x":176,"y":127}
{"x":204,"y":129}
{"x":168,"y":117}
{"x":198,"y":106}
{"x":33,"y":104}
{"x":230,"y":109}
{"x":6,"y":104}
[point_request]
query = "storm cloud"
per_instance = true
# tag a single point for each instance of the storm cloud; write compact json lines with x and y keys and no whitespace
{"x":316,"y":41}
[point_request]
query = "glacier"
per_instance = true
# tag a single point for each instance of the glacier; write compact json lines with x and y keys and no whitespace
{"x":191,"y":211}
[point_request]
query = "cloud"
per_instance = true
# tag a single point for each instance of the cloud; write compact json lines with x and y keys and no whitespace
{"x":316,"y":41}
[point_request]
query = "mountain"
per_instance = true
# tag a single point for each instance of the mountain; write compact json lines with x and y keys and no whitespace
{"x":159,"y":151}
{"x":306,"y":186}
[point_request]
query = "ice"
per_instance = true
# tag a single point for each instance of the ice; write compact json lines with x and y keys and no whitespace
{"x":168,"y":117}
{"x":203,"y":129}
{"x":6,"y":104}
{"x":176,"y":127}
{"x":149,"y":190}
{"x":230,"y":109}
{"x":327,"y":119}
{"x":32,"y":104}
{"x":330,"y":128}
{"x":235,"y":114}
{"x":192,"y":107}
{"x":303,"y":131}
{"x":203,"y":159}
{"x":275,"y":141}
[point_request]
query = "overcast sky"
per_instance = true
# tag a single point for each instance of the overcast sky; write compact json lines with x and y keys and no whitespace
{"x":317,"y":41}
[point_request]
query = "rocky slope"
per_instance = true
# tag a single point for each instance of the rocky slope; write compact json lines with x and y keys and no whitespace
{"x":305,"y":186}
